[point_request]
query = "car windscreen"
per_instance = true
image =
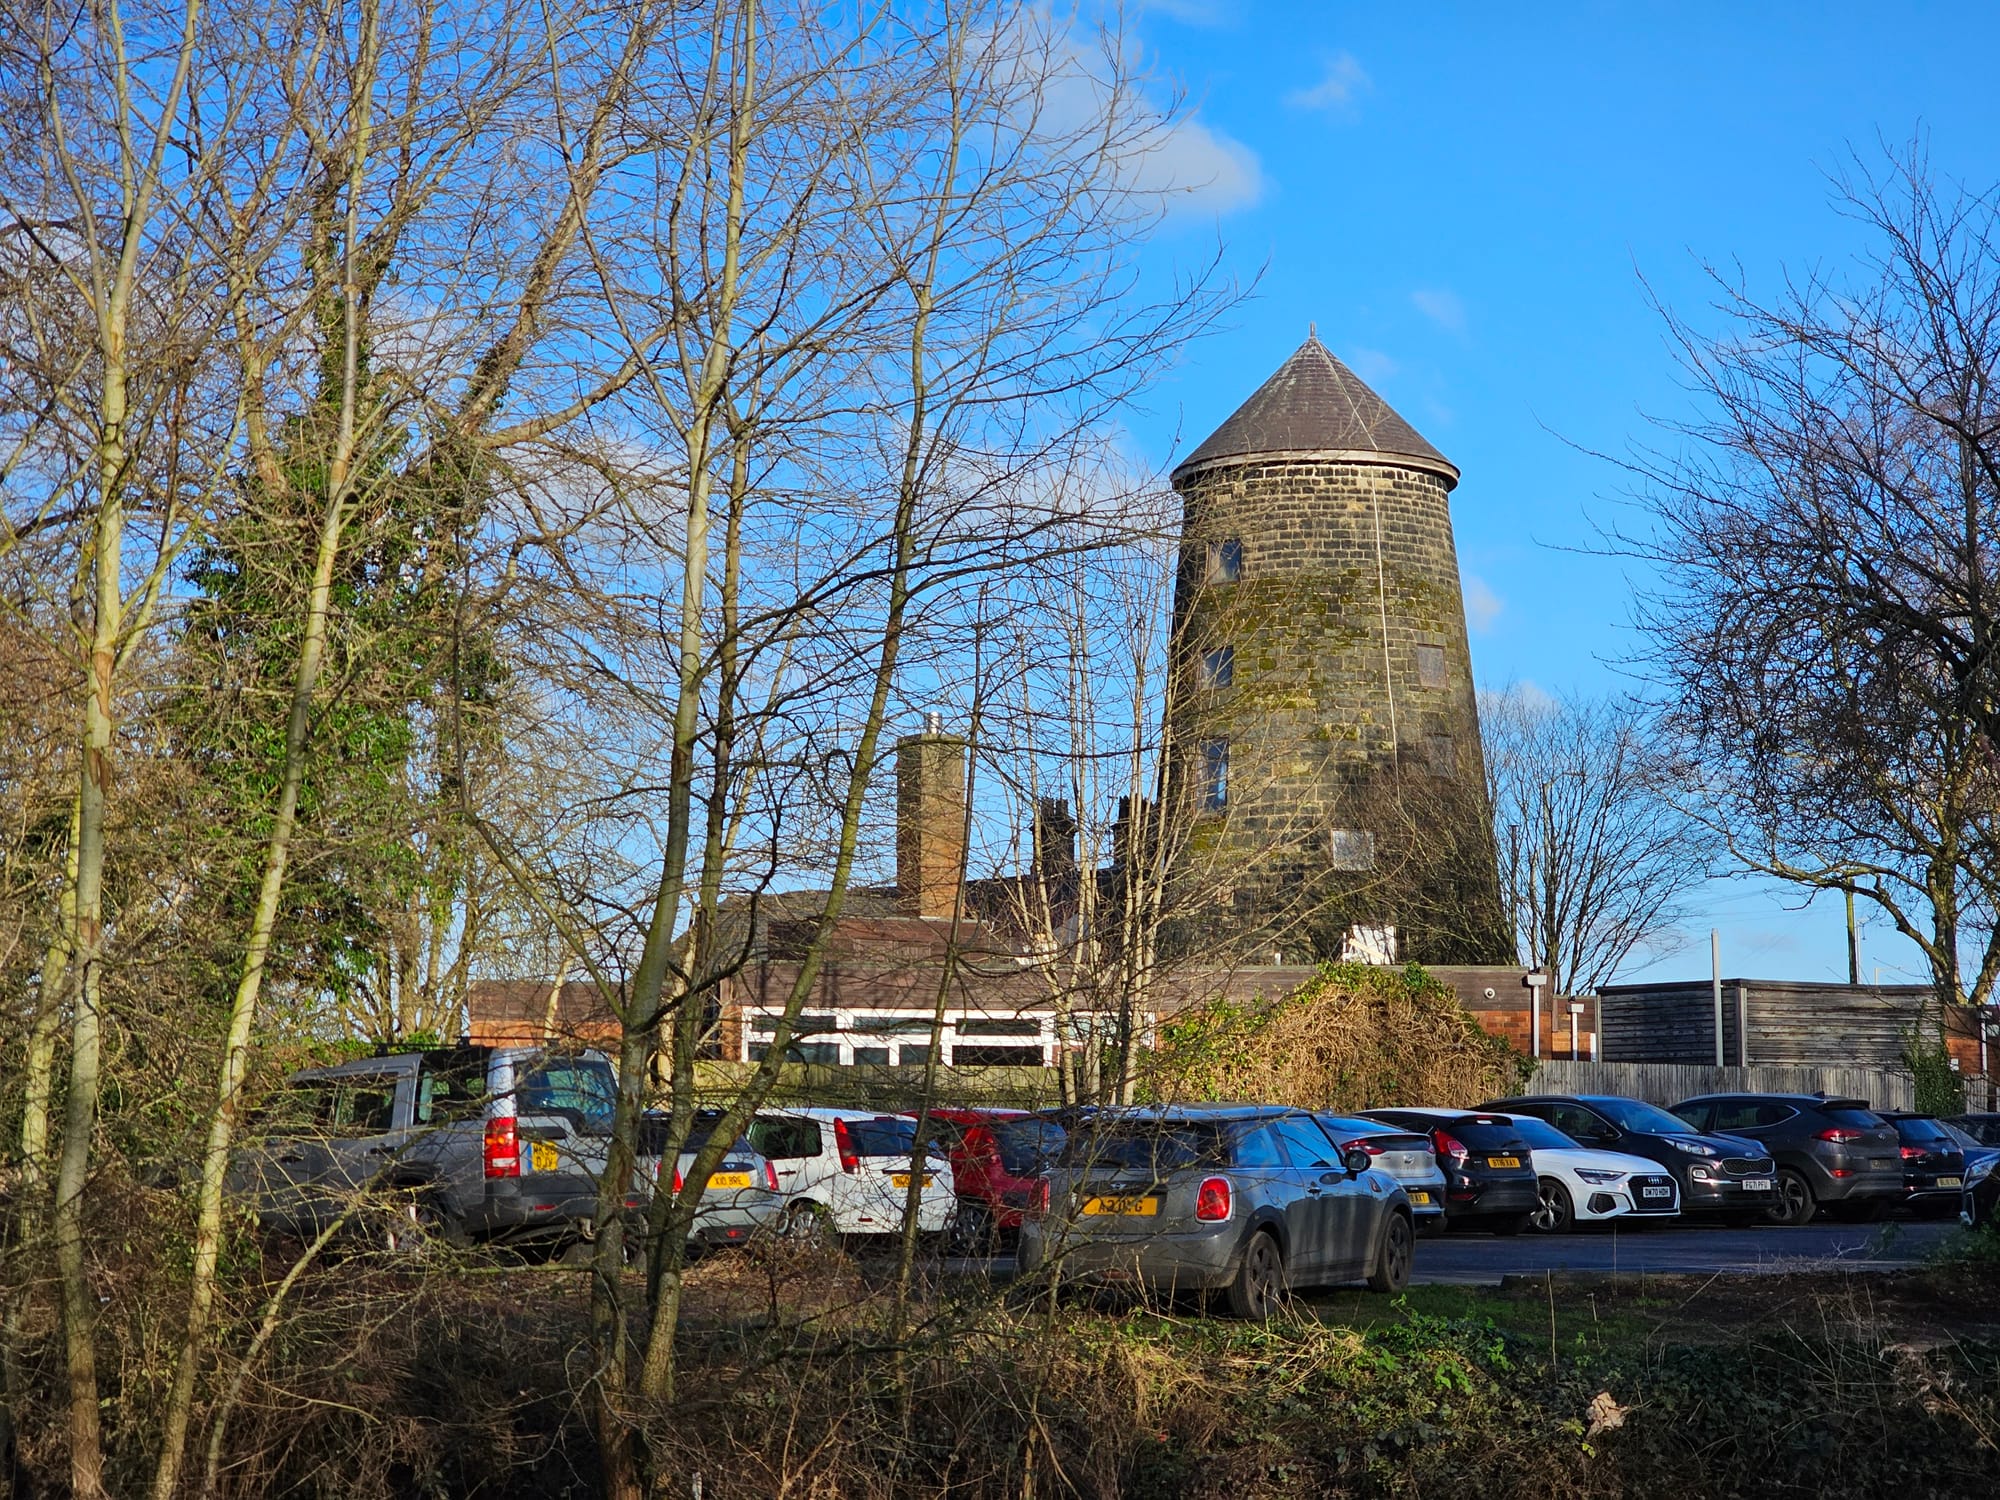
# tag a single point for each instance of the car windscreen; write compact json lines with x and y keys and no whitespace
{"x":584,"y":1087}
{"x":1646,"y":1119}
{"x":1027,"y":1145}
{"x":1984,"y":1129}
{"x":886,"y":1135}
{"x":1146,"y":1145}
{"x":1542,"y":1136}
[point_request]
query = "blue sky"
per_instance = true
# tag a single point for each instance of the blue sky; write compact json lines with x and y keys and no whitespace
{"x":1470,"y":202}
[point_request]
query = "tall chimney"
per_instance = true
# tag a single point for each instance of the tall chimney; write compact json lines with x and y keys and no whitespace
{"x":930,"y":819}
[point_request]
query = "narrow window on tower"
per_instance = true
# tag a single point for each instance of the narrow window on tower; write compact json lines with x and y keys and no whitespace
{"x":1430,"y":666}
{"x":1225,"y":560}
{"x":1214,"y":775}
{"x":1442,"y":752}
{"x":1218,"y":667}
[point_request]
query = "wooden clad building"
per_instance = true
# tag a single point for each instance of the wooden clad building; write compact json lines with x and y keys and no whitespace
{"x":1786,"y":1023}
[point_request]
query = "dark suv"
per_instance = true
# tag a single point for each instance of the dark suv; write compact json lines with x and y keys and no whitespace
{"x":1489,"y":1175}
{"x":1933,"y":1163}
{"x":1833,"y":1152}
{"x":1716,"y":1173}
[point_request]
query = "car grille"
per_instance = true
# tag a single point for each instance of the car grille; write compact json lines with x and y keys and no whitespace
{"x":1745,"y":1166}
{"x":1643,"y":1204}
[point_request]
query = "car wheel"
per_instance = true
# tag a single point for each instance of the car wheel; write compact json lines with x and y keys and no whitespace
{"x":1794,"y":1204}
{"x":1508,"y":1224}
{"x":806,"y":1223}
{"x":1259,"y":1288}
{"x":1557,"y":1215}
{"x":972,"y":1231}
{"x":1393,"y":1256}
{"x":415,"y":1222}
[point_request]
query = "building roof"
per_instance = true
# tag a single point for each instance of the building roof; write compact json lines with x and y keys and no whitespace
{"x":1315,"y":405}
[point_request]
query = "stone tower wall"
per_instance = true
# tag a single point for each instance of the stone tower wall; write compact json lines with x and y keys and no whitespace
{"x":1326,"y":738}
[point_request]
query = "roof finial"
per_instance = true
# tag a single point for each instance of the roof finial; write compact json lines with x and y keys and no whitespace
{"x":1312,"y":329}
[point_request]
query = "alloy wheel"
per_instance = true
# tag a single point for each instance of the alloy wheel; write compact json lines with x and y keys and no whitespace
{"x":1794,"y":1201}
{"x":1554,"y":1213}
{"x":1263,"y":1277}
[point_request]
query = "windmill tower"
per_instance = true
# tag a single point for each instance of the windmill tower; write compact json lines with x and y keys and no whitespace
{"x":1325,"y":765}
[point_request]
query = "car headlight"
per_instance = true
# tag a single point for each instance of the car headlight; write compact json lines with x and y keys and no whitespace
{"x":1597,"y":1177}
{"x":1695,"y":1148}
{"x":1983,"y":1169}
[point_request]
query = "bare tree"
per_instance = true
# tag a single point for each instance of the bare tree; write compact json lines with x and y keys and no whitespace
{"x":1596,"y":858}
{"x":1826,"y":621}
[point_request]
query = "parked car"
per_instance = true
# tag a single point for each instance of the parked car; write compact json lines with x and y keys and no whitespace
{"x":1982,"y":1127}
{"x":1405,"y":1155}
{"x":741,"y":1198}
{"x":1970,"y":1146}
{"x":1832,"y":1153}
{"x":1579,"y":1185}
{"x":847,"y":1171}
{"x":1715,"y":1173}
{"x":1250,"y":1201}
{"x":452,"y":1143}
{"x":1489,"y":1174}
{"x":997,"y":1159}
{"x":1933,"y":1163}
{"x":1979,"y":1202}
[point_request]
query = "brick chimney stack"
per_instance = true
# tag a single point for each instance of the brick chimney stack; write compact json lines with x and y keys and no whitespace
{"x":930,"y":819}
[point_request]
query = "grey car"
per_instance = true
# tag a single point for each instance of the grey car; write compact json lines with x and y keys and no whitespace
{"x":453,"y":1143}
{"x":1249,"y":1201}
{"x":1836,"y":1154}
{"x":741,"y":1199}
{"x":1406,"y":1156}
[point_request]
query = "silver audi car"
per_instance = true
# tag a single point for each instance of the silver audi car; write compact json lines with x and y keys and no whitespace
{"x":1250,"y":1201}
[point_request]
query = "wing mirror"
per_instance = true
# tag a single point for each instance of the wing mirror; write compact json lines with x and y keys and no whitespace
{"x":1355,"y":1159}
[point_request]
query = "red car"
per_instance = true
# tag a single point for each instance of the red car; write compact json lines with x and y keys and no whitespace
{"x":997,"y":1160}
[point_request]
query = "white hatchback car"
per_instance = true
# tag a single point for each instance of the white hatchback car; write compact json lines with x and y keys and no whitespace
{"x":1581,"y":1186}
{"x":848,"y":1171}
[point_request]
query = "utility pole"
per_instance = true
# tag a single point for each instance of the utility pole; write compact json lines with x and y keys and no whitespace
{"x":1853,"y":942}
{"x":1715,"y":980}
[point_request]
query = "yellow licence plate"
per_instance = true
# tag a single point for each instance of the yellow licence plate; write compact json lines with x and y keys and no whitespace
{"x":1503,"y":1161}
{"x":902,"y":1179}
{"x":544,"y":1157}
{"x":729,"y":1180}
{"x":1420,"y":1196}
{"x":1142,"y":1206}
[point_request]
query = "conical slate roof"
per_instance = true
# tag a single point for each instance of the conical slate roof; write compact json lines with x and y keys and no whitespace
{"x":1316,"y":405}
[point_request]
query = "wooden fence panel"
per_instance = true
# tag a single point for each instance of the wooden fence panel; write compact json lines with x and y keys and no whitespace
{"x":1669,"y":1083}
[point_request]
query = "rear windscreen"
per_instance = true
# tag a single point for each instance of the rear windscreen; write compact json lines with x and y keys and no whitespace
{"x":1486,"y":1134}
{"x":582,"y":1086}
{"x":1147,"y":1145}
{"x":1027,"y":1145}
{"x":886,"y":1135}
{"x":1855,"y":1119}
{"x":1929,"y":1132}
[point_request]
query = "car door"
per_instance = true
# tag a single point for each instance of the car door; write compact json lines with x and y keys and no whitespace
{"x":284,"y":1169}
{"x":1313,"y":1204}
{"x":1350,"y":1206}
{"x":370,"y":1125}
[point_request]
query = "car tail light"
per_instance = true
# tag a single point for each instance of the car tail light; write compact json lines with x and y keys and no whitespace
{"x":1911,"y":1153}
{"x":677,"y":1181}
{"x":1839,"y":1135}
{"x":850,"y":1161}
{"x":1449,"y":1145}
{"x":1211,"y":1200}
{"x":503,"y":1148}
{"x":770,"y":1177}
{"x":1840,"y":1171}
{"x":1039,"y":1198}
{"x":1360,"y":1144}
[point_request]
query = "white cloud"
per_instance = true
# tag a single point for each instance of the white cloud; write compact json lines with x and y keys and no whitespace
{"x":1441,"y":306}
{"x":1342,"y":82}
{"x":1372,"y":365}
{"x":1482,"y":605}
{"x":1197,"y":169}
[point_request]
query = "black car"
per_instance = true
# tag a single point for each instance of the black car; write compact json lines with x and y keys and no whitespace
{"x":1832,"y":1153}
{"x":1983,"y":1128}
{"x":1489,"y":1174}
{"x":1716,"y":1173}
{"x":1933,"y":1163}
{"x":1980,"y":1201}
